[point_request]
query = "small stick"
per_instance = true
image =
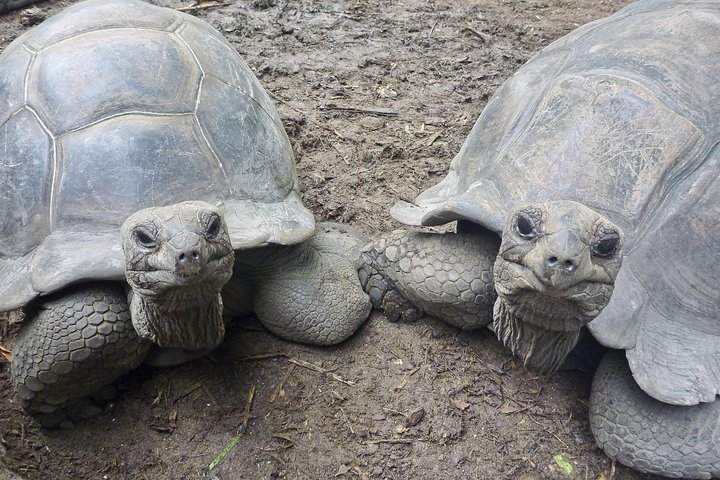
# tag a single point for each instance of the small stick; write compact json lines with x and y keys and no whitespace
{"x":395,"y":412}
{"x":286,"y":438}
{"x":191,"y":390}
{"x":341,"y":154}
{"x":264,"y":356}
{"x":347,"y":420}
{"x":317,"y":122}
{"x":7,"y":354}
{"x":484,"y":38}
{"x":279,"y":388}
{"x":380,"y":112}
{"x":406,"y":377}
{"x":200,"y":6}
{"x":248,"y":406}
{"x":547,"y":431}
{"x":316,"y":368}
{"x":395,"y":440}
{"x":243,"y":428}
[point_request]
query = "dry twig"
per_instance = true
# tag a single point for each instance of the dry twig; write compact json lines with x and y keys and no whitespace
{"x":395,"y":440}
{"x":319,"y":369}
{"x":201,"y":5}
{"x":301,"y":363}
{"x":483,"y":37}
{"x":7,"y":354}
{"x":243,"y":428}
{"x":278,"y":389}
{"x":379,"y":112}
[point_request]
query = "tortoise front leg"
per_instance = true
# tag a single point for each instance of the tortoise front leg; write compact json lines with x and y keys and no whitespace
{"x":71,"y":346}
{"x":448,"y":276}
{"x":310,"y":292}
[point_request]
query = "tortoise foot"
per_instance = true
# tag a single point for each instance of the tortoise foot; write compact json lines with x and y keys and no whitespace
{"x":447,"y":276}
{"x":310,"y":292}
{"x":382,"y":290}
{"x":70,"y":348}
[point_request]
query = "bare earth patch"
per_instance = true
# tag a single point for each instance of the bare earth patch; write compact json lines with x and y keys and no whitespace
{"x":376,"y":97}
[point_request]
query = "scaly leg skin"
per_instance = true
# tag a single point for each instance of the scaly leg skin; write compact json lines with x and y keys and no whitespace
{"x":649,"y":435}
{"x":448,"y":276}
{"x":308,"y":293}
{"x":71,"y":346}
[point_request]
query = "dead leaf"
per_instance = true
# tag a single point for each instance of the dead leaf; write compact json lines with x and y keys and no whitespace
{"x":7,"y":354}
{"x":507,"y":408}
{"x":415,"y":417}
{"x":166,"y":426}
{"x":343,"y":469}
{"x":461,"y":405}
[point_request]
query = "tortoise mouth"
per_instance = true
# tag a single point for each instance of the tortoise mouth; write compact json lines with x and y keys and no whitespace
{"x":152,"y":281}
{"x":524,"y":278}
{"x":534,"y":300}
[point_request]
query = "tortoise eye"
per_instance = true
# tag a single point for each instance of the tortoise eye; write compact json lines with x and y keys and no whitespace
{"x":214,"y":227}
{"x":606,"y":245}
{"x":525,"y":226}
{"x":144,"y":238}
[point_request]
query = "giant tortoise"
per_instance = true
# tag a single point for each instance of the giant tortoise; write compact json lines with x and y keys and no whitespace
{"x":587,"y":194}
{"x":144,"y":169}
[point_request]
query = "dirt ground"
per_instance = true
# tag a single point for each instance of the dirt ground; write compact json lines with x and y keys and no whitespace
{"x":376,"y":97}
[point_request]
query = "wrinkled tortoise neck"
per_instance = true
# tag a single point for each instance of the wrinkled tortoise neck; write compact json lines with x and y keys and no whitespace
{"x":185,"y":317}
{"x":539,"y":348}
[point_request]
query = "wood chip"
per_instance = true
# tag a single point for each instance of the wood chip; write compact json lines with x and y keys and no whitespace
{"x":7,"y":354}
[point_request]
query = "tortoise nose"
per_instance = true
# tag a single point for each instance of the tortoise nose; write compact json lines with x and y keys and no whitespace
{"x":562,"y":264}
{"x":189,"y":262}
{"x":189,"y":257}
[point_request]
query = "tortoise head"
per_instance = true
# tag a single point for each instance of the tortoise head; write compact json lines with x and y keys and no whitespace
{"x":554,"y":273}
{"x":177,"y":259}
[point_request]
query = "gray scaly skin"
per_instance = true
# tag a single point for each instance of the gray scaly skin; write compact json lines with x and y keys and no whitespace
{"x":447,"y":276}
{"x":178,"y":263}
{"x":70,"y":346}
{"x":306,"y":293}
{"x":553,"y":273}
{"x":650,"y":435}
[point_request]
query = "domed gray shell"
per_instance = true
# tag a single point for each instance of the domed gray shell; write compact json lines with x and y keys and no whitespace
{"x":622,"y":115}
{"x":112,"y":106}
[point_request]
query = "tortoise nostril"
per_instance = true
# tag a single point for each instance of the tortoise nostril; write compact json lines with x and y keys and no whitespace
{"x":556,"y":263}
{"x":192,"y":256}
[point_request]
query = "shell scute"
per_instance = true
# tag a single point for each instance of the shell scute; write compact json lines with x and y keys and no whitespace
{"x":107,"y":73}
{"x":25,"y":183}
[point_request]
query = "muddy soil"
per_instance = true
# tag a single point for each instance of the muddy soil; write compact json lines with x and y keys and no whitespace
{"x":376,"y":97}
